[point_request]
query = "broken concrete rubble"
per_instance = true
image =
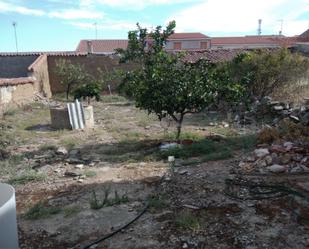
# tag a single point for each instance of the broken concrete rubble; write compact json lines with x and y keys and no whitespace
{"x":278,"y":158}
{"x":275,"y":110}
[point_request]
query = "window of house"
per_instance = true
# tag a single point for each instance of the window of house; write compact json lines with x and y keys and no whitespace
{"x":204,"y":45}
{"x":177,"y":45}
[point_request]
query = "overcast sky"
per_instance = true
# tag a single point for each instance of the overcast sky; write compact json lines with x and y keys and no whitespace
{"x":46,"y":25}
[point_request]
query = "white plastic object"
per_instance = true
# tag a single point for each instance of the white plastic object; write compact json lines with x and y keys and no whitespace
{"x":8,"y":223}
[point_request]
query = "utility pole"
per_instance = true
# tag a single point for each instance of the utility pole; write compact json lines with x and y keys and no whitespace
{"x":281,"y":26}
{"x":259,"y":30}
{"x":14,"y":26}
{"x":96,"y":30}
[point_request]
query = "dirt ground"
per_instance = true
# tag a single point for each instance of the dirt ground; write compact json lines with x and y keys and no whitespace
{"x":59,"y":174}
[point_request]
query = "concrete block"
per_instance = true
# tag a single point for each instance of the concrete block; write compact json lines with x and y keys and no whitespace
{"x":60,"y":118}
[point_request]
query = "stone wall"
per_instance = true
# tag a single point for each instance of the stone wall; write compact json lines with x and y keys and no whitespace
{"x":90,"y":62}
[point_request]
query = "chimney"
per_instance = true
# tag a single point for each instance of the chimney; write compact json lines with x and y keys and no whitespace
{"x":89,"y":47}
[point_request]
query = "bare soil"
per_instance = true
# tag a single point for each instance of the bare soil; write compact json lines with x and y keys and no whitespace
{"x":188,"y":208}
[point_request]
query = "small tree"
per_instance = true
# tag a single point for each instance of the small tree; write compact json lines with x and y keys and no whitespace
{"x":88,"y":91}
{"x":70,"y":74}
{"x":165,"y":84}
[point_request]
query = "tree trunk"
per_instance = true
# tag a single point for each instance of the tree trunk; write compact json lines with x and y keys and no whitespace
{"x":179,"y":126}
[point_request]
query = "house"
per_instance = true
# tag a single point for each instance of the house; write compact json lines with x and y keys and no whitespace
{"x":176,"y":42}
{"x":187,"y":42}
{"x":258,"y":41}
{"x":200,"y":42}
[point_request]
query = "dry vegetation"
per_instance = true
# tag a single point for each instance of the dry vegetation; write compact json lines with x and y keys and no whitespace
{"x":113,"y":170}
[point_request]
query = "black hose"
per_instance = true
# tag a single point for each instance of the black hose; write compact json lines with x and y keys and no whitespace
{"x":272,"y":189}
{"x":118,"y":230}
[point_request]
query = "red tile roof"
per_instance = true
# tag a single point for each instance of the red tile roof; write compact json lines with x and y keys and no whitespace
{"x":304,"y":35}
{"x":241,"y":40}
{"x":188,"y":36}
{"x":252,"y":40}
{"x":214,"y":56}
{"x":52,"y":53}
{"x":109,"y":46}
{"x":16,"y":81}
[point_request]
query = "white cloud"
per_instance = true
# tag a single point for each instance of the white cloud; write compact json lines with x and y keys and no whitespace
{"x":8,"y":7}
{"x":76,"y":14}
{"x":226,"y":16}
{"x":107,"y":25}
{"x":132,"y":4}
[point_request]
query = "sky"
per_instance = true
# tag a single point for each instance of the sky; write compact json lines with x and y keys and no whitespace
{"x":58,"y":25}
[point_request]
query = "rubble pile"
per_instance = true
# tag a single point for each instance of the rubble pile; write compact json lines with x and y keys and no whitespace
{"x":267,"y":108}
{"x":289,"y":158}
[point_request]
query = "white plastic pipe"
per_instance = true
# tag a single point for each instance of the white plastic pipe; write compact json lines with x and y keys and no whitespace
{"x":8,"y":224}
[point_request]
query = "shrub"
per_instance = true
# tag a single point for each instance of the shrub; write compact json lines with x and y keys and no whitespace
{"x":263,"y":72}
{"x":268,"y":135}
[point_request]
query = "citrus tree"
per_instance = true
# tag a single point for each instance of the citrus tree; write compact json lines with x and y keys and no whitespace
{"x":70,"y":74}
{"x":165,"y":84}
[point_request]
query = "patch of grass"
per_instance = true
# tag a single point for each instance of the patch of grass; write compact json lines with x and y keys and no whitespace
{"x":132,"y":135}
{"x":210,"y":150}
{"x":16,"y":159}
{"x":62,"y":97}
{"x":95,"y":203}
{"x":68,"y":143}
{"x":245,"y":142}
{"x":196,"y":149}
{"x":46,"y":147}
{"x":39,"y":211}
{"x":157,"y":202}
{"x":9,"y":112}
{"x":90,"y":173}
{"x":28,"y":176}
{"x":184,"y":135}
{"x":187,"y":220}
{"x":225,"y":154}
{"x":113,"y":98}
{"x":130,"y":150}
{"x":70,"y":211}
{"x":225,"y":131}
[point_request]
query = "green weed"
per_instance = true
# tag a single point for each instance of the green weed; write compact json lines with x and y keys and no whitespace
{"x":157,"y":202}
{"x":28,"y":176}
{"x":90,"y":173}
{"x":95,"y":203}
{"x":69,"y":211}
{"x":39,"y":211}
{"x":187,"y":220}
{"x":46,"y":147}
{"x":113,"y":98}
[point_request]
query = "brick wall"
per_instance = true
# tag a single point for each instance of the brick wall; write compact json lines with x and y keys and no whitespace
{"x":91,"y":63}
{"x":15,"y":66}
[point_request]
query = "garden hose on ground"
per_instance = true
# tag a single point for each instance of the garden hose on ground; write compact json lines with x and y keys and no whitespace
{"x":259,"y":191}
{"x":118,"y":230}
{"x":124,"y":226}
